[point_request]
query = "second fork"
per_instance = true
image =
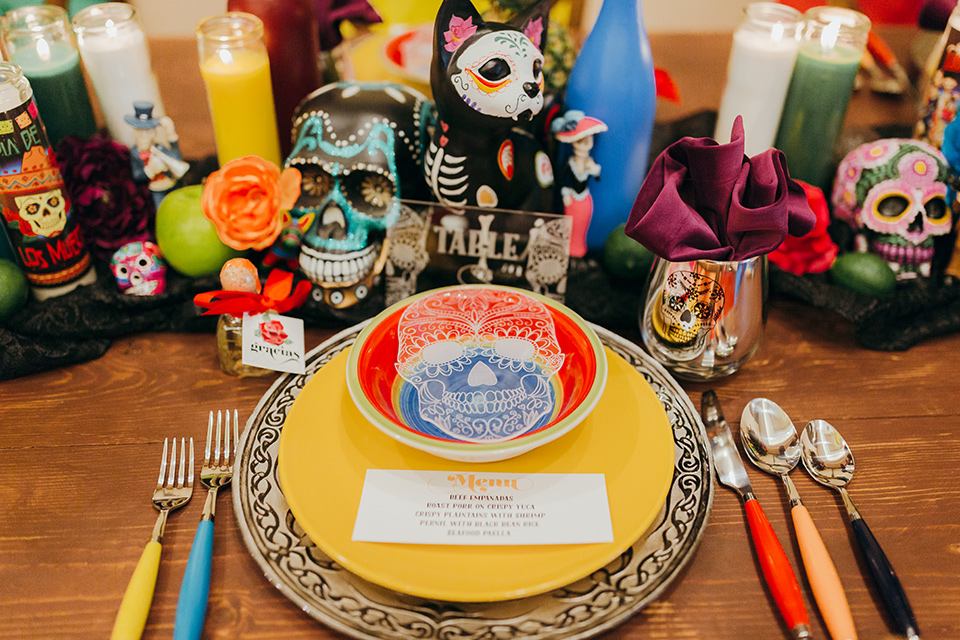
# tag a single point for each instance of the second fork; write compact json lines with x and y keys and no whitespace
{"x":195,"y":588}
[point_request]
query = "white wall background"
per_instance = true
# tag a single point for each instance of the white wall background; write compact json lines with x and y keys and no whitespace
{"x":172,"y":18}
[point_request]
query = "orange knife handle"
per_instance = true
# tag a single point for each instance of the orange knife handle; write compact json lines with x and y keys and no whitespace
{"x":776,"y":568}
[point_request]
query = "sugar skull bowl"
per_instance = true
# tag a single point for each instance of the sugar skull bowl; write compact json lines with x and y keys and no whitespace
{"x":893,"y":193}
{"x":476,"y":373}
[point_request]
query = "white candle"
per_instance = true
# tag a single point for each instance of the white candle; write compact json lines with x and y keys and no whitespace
{"x":115,"y":54}
{"x":758,"y":74}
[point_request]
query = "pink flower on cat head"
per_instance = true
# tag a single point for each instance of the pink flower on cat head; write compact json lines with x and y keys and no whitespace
{"x":460,"y":30}
{"x":534,"y":31}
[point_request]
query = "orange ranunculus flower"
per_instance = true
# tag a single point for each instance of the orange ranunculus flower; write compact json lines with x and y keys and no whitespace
{"x":245,"y":201}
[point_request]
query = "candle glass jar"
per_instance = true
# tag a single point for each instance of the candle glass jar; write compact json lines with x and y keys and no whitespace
{"x":236,"y":72}
{"x":114,"y":51}
{"x":39,"y":40}
{"x":761,"y":63}
{"x":823,"y":76}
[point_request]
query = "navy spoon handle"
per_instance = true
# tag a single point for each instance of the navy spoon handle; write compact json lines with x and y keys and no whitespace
{"x":886,"y":581}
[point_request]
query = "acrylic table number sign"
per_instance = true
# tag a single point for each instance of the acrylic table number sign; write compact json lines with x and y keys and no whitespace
{"x":39,"y":40}
{"x":761,"y":62}
{"x":816,"y":103}
{"x":236,"y":71}
{"x":114,"y":51}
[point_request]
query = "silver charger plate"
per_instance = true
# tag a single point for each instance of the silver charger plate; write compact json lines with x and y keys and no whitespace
{"x":360,"y":609}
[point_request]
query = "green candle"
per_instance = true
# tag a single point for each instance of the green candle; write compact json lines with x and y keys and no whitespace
{"x":819,"y":92}
{"x":39,"y":40}
{"x":58,"y":89}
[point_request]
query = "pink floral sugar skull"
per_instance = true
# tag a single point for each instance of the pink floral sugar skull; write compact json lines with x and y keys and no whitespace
{"x":481,"y":363}
{"x":893,"y":192}
{"x":139,"y":269}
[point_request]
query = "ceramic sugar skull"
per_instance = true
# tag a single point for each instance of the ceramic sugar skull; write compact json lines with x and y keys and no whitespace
{"x":358,"y":148}
{"x":481,"y":362}
{"x":893,"y":192}
{"x":139,"y":269}
{"x":487,"y":81}
{"x":690,"y":304}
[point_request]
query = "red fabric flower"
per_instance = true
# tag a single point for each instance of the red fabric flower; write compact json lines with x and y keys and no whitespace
{"x":272,"y":332}
{"x":814,"y":252}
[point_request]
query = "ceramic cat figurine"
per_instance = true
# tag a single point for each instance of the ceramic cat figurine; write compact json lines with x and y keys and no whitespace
{"x":487,"y":81}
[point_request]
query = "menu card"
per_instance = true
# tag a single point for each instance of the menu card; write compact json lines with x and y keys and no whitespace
{"x":471,"y":508}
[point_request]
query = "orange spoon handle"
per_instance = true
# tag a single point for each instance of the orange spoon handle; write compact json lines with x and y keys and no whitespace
{"x":827,"y":589}
{"x":777,"y":571}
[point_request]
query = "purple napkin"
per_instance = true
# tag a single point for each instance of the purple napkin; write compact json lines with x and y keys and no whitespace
{"x":707,"y":201}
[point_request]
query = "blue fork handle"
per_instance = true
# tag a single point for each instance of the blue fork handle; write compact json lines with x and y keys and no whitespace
{"x":192,"y":605}
{"x":886,"y":581}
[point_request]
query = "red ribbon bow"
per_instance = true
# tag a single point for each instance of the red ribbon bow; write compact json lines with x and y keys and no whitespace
{"x":276,"y":296}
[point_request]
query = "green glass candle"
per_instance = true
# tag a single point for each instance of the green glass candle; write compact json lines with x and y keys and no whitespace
{"x":39,"y":41}
{"x":819,"y":92}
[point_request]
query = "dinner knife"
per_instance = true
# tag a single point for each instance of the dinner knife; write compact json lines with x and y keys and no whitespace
{"x":773,"y":560}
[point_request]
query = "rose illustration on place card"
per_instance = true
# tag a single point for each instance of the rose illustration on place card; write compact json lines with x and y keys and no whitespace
{"x":272,"y":332}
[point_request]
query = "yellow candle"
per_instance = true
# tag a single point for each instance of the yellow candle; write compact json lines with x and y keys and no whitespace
{"x":236,"y":72}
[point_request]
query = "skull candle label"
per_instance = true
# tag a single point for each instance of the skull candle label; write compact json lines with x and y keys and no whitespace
{"x":481,"y":367}
{"x":35,"y":207}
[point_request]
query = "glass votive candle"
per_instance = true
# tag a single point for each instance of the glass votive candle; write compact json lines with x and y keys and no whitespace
{"x":833,"y":43}
{"x":236,"y":71}
{"x":39,"y":40}
{"x":115,"y":53}
{"x":761,"y":63}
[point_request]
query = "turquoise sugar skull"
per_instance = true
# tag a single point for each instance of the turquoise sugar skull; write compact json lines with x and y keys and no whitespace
{"x":893,"y":193}
{"x":358,"y":149}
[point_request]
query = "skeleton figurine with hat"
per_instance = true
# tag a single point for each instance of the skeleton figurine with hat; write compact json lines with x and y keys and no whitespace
{"x":155,"y":157}
{"x":578,"y":129}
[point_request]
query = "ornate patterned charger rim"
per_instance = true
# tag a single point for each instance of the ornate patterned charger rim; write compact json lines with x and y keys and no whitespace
{"x":360,"y":609}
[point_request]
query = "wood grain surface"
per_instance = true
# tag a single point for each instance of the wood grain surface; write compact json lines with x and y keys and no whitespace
{"x":80,"y":446}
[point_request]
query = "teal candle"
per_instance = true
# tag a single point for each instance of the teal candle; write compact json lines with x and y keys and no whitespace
{"x":58,"y":89}
{"x":38,"y":39}
{"x":819,"y":92}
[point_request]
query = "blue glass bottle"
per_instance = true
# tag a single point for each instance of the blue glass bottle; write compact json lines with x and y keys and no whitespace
{"x":612,"y":79}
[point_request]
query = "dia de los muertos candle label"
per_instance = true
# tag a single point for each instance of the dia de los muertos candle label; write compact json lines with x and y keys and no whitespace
{"x":35,"y":206}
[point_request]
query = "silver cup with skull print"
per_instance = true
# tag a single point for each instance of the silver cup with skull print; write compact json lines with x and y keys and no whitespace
{"x":703,"y":319}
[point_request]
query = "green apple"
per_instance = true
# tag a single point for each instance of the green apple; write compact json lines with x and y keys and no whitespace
{"x":188,"y":241}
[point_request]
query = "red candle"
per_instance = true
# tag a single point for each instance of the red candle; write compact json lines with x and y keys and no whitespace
{"x":291,"y":35}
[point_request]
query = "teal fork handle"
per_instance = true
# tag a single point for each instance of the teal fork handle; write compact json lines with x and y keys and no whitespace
{"x":192,"y":605}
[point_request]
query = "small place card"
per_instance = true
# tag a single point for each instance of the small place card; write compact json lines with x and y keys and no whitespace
{"x":470,"y":508}
{"x":272,"y":341}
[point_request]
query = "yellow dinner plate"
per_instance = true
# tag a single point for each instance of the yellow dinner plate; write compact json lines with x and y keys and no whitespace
{"x":326,"y":447}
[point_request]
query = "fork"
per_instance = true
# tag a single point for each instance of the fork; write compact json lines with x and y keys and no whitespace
{"x":169,"y":495}
{"x":195,"y":588}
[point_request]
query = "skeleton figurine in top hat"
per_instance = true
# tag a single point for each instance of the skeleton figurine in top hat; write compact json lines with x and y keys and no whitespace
{"x":155,"y":156}
{"x":487,"y":80}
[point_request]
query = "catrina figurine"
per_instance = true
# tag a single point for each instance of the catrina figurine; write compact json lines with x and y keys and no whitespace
{"x":487,"y":82}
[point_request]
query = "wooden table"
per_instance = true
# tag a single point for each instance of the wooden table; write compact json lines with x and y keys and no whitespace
{"x":79,"y":449}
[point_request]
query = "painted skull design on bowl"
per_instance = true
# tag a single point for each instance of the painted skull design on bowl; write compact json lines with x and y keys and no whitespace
{"x":480,"y":362}
{"x":690,"y":305}
{"x":358,"y":148}
{"x":893,"y":192}
{"x":139,"y":269}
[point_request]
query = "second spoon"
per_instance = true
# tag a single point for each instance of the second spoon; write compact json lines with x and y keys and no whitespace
{"x":773,"y":444}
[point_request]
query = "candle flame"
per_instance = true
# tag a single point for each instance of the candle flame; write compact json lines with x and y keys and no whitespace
{"x":828,"y":39}
{"x":43,"y":50}
{"x":776,"y":34}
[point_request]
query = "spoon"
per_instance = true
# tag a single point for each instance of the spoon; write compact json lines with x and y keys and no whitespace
{"x":829,"y":460}
{"x":772,"y":443}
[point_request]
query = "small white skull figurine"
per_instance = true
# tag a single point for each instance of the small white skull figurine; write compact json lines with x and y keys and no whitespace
{"x":893,"y":192}
{"x":481,"y":361}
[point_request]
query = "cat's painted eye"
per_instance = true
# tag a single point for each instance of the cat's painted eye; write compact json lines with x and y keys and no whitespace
{"x":494,"y":69}
{"x":537,"y":67}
